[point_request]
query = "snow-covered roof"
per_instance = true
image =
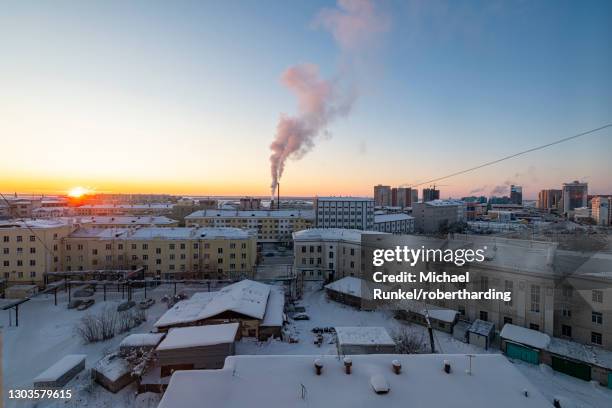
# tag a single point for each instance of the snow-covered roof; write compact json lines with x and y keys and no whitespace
{"x":528,"y":337}
{"x":199,"y":336}
{"x":230,"y":213}
{"x":331,"y":234}
{"x":60,"y":368}
{"x":186,"y":311}
{"x":423,"y":309}
{"x":247,"y":297}
{"x":127,"y":220}
{"x":275,"y":308}
{"x":36,"y":223}
{"x":290,"y":381}
{"x":444,"y":203}
{"x":129,"y":206}
{"x":142,"y":340}
{"x":481,"y":327}
{"x":188,"y":233}
{"x":363,"y":336}
{"x":378,"y":218}
{"x":99,"y":233}
{"x":349,"y":285}
{"x":581,"y":352}
{"x":345,"y":199}
{"x":112,"y":367}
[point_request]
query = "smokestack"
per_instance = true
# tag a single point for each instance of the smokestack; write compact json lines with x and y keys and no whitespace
{"x":278,"y":196}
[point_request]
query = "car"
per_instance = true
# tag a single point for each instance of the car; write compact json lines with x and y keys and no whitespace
{"x":86,"y":304}
{"x":126,"y":306}
{"x":73,"y":304}
{"x":301,"y":316}
{"x":147,"y":303}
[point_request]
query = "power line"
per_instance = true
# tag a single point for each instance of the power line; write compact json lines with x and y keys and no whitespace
{"x":533,"y":149}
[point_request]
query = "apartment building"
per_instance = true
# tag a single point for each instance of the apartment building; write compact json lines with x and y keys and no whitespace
{"x":574,"y":195}
{"x":127,"y":221}
{"x":270,"y":225}
{"x":550,"y":200}
{"x":394,"y":223}
{"x":601,"y":209}
{"x":29,"y":248}
{"x":328,"y":253}
{"x":344,"y":212}
{"x":124,"y":209}
{"x":407,"y":196}
{"x":167,"y":253}
{"x":434,"y":216}
{"x":382,"y":195}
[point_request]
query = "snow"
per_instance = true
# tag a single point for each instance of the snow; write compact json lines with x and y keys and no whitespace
{"x":127,"y":220}
{"x":348,"y":285}
{"x":391,"y":217}
{"x":435,"y":312}
{"x":246,"y":297}
{"x":443,"y":315}
{"x":112,"y":367}
{"x":60,"y":368}
{"x":275,"y":307}
{"x":142,"y":340}
{"x":581,"y":352}
{"x":289,"y":381}
{"x":363,"y":336}
{"x":186,"y":311}
{"x":481,"y":327}
{"x":199,"y":336}
{"x":305,"y":214}
{"x":522,"y":335}
{"x":332,"y":234}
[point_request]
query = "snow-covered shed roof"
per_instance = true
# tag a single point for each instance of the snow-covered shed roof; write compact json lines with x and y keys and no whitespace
{"x":349,"y":285}
{"x":275,"y":308}
{"x":423,"y":309}
{"x":522,"y":335}
{"x":60,"y":368}
{"x":142,"y":340}
{"x":481,"y":327}
{"x":199,"y":336}
{"x":363,"y":336}
{"x":290,"y":381}
{"x":186,"y":311}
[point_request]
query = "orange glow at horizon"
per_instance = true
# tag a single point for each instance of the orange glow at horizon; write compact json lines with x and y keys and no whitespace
{"x":78,"y":192}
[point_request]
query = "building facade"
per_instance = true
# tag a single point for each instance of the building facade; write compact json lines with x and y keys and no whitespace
{"x":394,"y":223}
{"x":516,"y":194}
{"x":430,"y":194}
{"x":550,"y":200}
{"x":574,"y":195}
{"x":601,"y":208}
{"x":344,"y":212}
{"x":434,"y":216}
{"x":382,"y":195}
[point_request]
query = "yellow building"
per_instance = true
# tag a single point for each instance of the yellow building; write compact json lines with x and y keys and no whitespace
{"x":271,"y":225}
{"x":29,"y":248}
{"x":167,"y":253}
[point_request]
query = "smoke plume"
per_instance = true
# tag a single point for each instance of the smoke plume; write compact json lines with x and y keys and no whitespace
{"x":320,"y":101}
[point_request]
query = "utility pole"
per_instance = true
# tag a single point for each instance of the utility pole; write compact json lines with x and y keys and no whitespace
{"x":430,"y":330}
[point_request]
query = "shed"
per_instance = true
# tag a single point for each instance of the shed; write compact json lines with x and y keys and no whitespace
{"x":198,"y":347}
{"x":579,"y":360}
{"x":481,"y":333}
{"x":522,"y":343}
{"x":418,"y":312}
{"x":60,"y":373}
{"x":112,"y":372}
{"x":140,"y":342}
{"x":274,"y":318}
{"x":364,"y":340}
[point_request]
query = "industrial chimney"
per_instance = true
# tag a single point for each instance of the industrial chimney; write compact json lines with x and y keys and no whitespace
{"x":278,"y":196}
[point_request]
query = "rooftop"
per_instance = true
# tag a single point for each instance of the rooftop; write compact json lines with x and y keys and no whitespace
{"x":363,"y":336}
{"x":36,"y":223}
{"x":199,"y":336}
{"x":289,"y":381}
{"x":307,"y":214}
{"x":127,"y":220}
{"x":345,"y":199}
{"x":337,"y":234}
{"x":392,"y":217}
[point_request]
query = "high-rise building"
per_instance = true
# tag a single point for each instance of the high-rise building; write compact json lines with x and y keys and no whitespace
{"x":601,"y":210}
{"x":382,"y":195}
{"x":394,"y":197}
{"x":344,"y":212}
{"x":406,"y":196}
{"x":430,"y":194}
{"x":516,"y":194}
{"x":574,"y":196}
{"x":549,"y":200}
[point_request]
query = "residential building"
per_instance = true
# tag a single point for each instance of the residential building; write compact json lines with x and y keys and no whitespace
{"x":601,"y":208}
{"x":394,"y":223}
{"x":249,"y":203}
{"x":126,"y":221}
{"x":168,"y":253}
{"x":574,"y":195}
{"x":270,"y":225}
{"x":124,"y":209}
{"x":430,"y":194}
{"x":344,"y":212}
{"x":516,"y":194}
{"x":406,"y":196}
{"x":30,"y":248}
{"x":474,"y":210}
{"x":434,"y":216}
{"x":550,"y":200}
{"x":382,"y":195}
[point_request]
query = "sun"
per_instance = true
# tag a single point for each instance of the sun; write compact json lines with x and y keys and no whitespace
{"x":77,"y":192}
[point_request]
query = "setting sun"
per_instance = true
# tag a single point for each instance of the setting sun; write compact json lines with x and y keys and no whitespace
{"x":77,"y":192}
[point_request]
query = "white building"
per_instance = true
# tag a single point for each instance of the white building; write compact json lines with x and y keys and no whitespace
{"x":394,"y":223}
{"x":602,"y":210}
{"x":344,"y":212}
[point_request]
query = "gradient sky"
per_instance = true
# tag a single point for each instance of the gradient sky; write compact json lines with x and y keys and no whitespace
{"x":184,"y":97}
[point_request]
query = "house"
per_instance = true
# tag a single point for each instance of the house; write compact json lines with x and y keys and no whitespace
{"x":189,"y":348}
{"x":364,"y":340}
{"x":481,"y":333}
{"x":250,"y":303}
{"x":354,"y":292}
{"x":292,"y":381}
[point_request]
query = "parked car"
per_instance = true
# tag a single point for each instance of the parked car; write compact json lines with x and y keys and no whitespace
{"x":73,"y":304}
{"x":301,"y":316}
{"x":126,"y":306}
{"x":86,"y":304}
{"x":147,"y":303}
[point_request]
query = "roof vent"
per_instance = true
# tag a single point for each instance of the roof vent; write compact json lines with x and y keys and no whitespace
{"x":379,"y":384}
{"x":397,"y":366}
{"x":447,"y":367}
{"x":318,"y":366}
{"x":348,"y":363}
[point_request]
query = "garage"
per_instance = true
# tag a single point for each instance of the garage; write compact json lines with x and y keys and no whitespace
{"x":522,"y":353}
{"x":573,"y":368}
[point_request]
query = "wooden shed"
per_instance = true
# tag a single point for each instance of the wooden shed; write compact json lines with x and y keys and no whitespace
{"x":112,"y":372}
{"x":198,"y":347}
{"x":60,"y":373}
{"x":481,"y":333}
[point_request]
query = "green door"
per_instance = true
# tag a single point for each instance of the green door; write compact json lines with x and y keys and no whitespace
{"x":572,"y":368}
{"x":610,"y":380}
{"x":522,"y":353}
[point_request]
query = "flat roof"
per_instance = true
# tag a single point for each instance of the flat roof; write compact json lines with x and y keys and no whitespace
{"x":306,"y":214}
{"x":363,"y":336}
{"x":344,"y":199}
{"x":339,"y":234}
{"x":199,"y":336}
{"x":391,"y":217}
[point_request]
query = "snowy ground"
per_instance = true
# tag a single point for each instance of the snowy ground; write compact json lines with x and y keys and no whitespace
{"x":46,"y":334}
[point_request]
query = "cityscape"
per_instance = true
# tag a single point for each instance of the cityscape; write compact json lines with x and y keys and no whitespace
{"x":197,"y":199}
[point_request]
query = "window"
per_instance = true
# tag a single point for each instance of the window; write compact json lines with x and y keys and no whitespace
{"x":32,"y":250}
{"x":597,"y":296}
{"x":120,"y":247}
{"x":596,"y":317}
{"x":509,"y":286}
{"x":566,"y":311}
{"x":319,"y":248}
{"x":484,"y":315}
{"x":535,"y":298}
{"x":171,"y":246}
{"x":158,"y":261}
{"x":108,"y":247}
{"x":133,"y":246}
{"x":6,"y":263}
{"x":19,"y":238}
{"x":32,"y":238}
{"x":219,"y":250}
{"x":5,"y":238}
{"x":195,"y":246}
{"x":158,"y":250}
{"x":461,"y":310}
{"x":145,"y":246}
{"x":182,"y":246}
{"x":68,"y":247}
{"x":567,"y":291}
{"x":507,"y":320}
{"x":94,"y":252}
{"x":484,"y":283}
{"x":352,"y":251}
{"x":32,"y":262}
{"x":331,"y":255}
{"x":566,"y":330}
{"x":596,"y":338}
{"x":232,"y":246}
{"x":534,"y":326}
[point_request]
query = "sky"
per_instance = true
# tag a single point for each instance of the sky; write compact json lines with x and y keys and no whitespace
{"x":185,"y":97}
